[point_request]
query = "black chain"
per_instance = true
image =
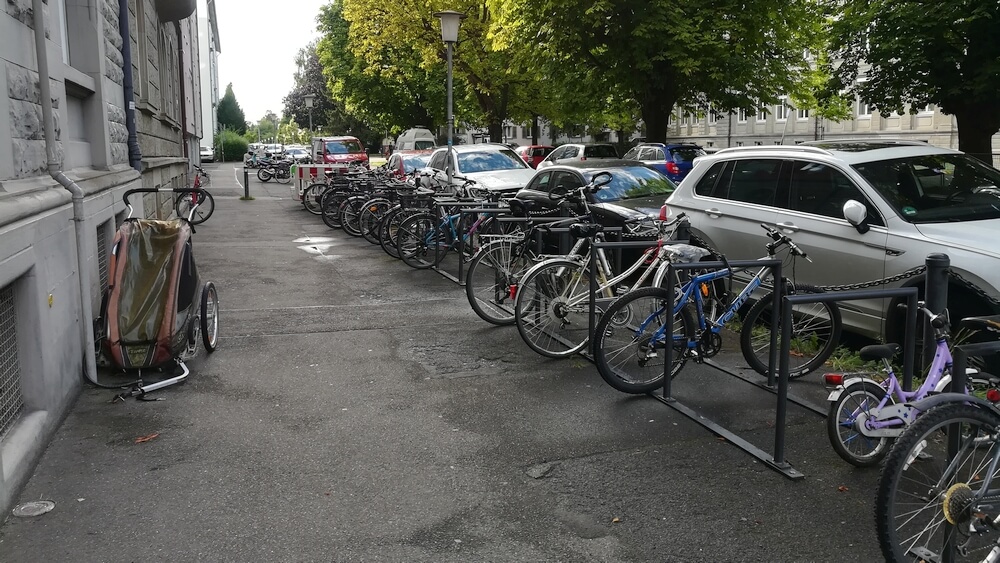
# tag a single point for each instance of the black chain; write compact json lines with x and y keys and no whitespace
{"x":972,"y":287}
{"x":916,"y":271}
{"x":716,"y":255}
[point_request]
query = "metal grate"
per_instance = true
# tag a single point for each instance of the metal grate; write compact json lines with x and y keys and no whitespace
{"x":11,"y":400}
{"x":102,"y":253}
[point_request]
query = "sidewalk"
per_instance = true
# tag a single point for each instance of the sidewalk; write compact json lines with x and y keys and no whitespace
{"x":358,"y":410}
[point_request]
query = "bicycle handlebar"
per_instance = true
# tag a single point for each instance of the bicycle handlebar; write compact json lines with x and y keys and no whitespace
{"x":780,"y":239}
{"x":198,"y":191}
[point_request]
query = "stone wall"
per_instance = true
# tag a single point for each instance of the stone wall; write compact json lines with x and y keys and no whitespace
{"x":114,"y":62}
{"x":26,"y":130}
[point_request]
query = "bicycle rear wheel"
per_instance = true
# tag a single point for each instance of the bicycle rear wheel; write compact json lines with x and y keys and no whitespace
{"x":815,"y":333}
{"x":388,"y":228}
{"x":417,"y":240}
{"x":312,"y":198}
{"x":350,"y":214}
{"x":551,"y":308}
{"x":492,"y":272}
{"x":923,"y":503}
{"x":631,"y":343}
{"x":331,"y":209}
{"x":371,"y":215}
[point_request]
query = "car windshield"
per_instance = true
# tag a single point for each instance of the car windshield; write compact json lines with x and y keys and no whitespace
{"x":936,"y":188}
{"x":631,"y":182}
{"x":600,"y":151}
{"x":423,"y":145}
{"x":343,"y":147}
{"x":469,"y":162}
{"x":411,"y":163}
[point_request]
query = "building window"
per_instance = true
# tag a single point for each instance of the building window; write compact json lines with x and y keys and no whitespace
{"x":761,"y":115}
{"x":739,"y":143}
{"x":741,"y":116}
{"x":781,"y":109}
{"x":927,"y":110}
{"x":864,"y":110}
{"x":802,"y":114}
{"x":11,"y":398}
{"x":758,"y":143}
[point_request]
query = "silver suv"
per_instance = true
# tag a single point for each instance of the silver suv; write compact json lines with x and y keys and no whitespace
{"x":863,"y":210}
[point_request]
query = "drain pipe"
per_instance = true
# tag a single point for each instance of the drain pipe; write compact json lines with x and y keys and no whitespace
{"x":134,"y":154}
{"x":52,"y":160}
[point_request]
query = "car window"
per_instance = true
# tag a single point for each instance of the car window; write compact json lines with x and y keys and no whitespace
{"x":489,"y":161}
{"x":936,"y":188}
{"x":343,"y":147}
{"x":750,"y":181}
{"x":540,"y":152}
{"x":600,"y":151}
{"x":706,"y":186}
{"x":822,"y":190}
{"x":438,"y":160}
{"x":540,"y":182}
{"x":646,"y":154}
{"x":630,"y":182}
{"x":564,"y":182}
{"x":658,"y":154}
{"x":556,"y":154}
{"x":414,"y":162}
{"x":686,"y":154}
{"x":423,"y":145}
{"x":632,"y":154}
{"x":570,"y":152}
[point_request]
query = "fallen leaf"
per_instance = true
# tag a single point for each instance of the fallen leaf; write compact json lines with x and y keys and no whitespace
{"x":616,"y":520}
{"x":142,"y":439}
{"x":843,"y":488}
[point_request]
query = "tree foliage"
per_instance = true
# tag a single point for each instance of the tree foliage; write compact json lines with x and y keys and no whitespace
{"x":230,"y":114}
{"x":919,"y":52}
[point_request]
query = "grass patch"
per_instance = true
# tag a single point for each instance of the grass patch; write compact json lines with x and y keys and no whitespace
{"x":247,"y":198}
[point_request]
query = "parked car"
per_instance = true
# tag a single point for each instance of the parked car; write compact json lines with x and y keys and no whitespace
{"x":673,"y":160}
{"x":207,"y":154}
{"x":338,"y":150}
{"x":492,"y":165}
{"x":631,"y":200}
{"x":299,"y":155}
{"x":863,"y":210}
{"x":579,"y":152}
{"x":533,"y":154}
{"x":404,"y":162}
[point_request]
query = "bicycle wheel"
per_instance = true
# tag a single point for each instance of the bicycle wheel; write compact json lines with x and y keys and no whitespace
{"x":331,"y":210}
{"x":417,"y":238}
{"x":350,"y":214}
{"x":630,"y":348}
{"x":388,"y":228}
{"x":311,"y":198}
{"x":371,"y":215}
{"x":551,"y":308}
{"x":185,"y":201}
{"x":815,"y":333}
{"x":264,"y":174}
{"x":210,"y":317}
{"x":923,"y":501}
{"x":492,"y":273}
{"x":858,"y":400}
{"x":283,"y":174}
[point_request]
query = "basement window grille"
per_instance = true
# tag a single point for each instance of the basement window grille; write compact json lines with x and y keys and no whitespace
{"x":102,"y":253}
{"x":11,"y":399}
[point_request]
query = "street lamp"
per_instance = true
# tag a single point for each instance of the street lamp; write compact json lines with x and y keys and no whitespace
{"x":309,"y":104}
{"x":450,"y":20}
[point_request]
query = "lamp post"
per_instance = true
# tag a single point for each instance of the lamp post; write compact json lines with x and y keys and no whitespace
{"x":450,"y":20}
{"x":309,"y":104}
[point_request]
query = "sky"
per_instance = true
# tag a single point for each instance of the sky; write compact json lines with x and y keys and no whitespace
{"x":259,"y":41}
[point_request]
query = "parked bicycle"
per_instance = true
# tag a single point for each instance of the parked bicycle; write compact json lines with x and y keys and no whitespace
{"x":631,"y":345}
{"x":867,"y":415}
{"x":938,"y":496}
{"x":197,"y":204}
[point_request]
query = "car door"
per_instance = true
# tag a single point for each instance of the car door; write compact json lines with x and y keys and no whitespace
{"x":814,"y":219}
{"x":732,"y":199}
{"x":571,"y":153}
{"x":553,"y":156}
{"x":653,"y":157}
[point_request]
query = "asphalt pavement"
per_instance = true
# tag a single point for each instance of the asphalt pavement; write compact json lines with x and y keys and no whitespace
{"x":358,"y":410}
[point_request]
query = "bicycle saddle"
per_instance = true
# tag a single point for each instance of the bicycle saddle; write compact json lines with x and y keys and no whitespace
{"x":520,"y":207}
{"x":585,"y":230}
{"x":990,"y":323}
{"x":879,"y":352}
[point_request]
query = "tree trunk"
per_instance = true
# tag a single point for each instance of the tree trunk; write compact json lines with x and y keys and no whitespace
{"x":976,"y":126}
{"x":496,"y":131}
{"x":534,"y":129}
{"x":656,"y":106}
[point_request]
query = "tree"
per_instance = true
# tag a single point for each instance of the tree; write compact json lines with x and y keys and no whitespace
{"x":230,"y":114}
{"x":919,"y":52}
{"x":728,"y":54}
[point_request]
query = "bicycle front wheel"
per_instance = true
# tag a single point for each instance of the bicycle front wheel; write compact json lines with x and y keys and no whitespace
{"x":924,"y":503}
{"x":815,"y":333}
{"x":631,"y":340}
{"x":492,"y":272}
{"x":857,"y":401}
{"x":417,"y":239}
{"x":551,"y":308}
{"x":204,"y":210}
{"x":312,"y":198}
{"x":371,"y":217}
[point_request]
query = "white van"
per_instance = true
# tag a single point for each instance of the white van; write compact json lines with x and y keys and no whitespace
{"x":417,"y":138}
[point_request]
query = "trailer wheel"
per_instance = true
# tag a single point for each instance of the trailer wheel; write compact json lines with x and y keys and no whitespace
{"x":210,"y":317}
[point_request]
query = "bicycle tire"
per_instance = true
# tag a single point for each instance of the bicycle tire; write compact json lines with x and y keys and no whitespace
{"x":210,"y":317}
{"x":331,"y":210}
{"x":849,"y":443}
{"x":388,"y":228}
{"x":416,"y":240}
{"x":350,"y":214}
{"x":552,"y":306}
{"x":182,"y":206}
{"x":283,"y":174}
{"x":492,"y":271}
{"x":913,"y":489}
{"x":371,"y":216}
{"x":264,"y":174}
{"x":816,"y":330}
{"x":312,"y":197}
{"x":621,"y":349}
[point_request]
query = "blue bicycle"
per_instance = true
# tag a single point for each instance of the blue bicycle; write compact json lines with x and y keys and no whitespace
{"x":631,"y":337}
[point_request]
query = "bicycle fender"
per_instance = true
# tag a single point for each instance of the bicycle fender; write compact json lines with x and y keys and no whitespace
{"x":836,"y":393}
{"x":928,"y":403}
{"x":942,"y":385}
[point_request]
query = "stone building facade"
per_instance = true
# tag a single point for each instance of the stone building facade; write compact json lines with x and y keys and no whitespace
{"x":54,"y":254}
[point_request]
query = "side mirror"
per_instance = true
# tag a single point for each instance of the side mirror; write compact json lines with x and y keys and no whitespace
{"x":856,"y":214}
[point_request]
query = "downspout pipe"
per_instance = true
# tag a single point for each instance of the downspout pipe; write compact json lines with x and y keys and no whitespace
{"x":180,"y":82}
{"x":134,"y":154}
{"x":54,"y":168}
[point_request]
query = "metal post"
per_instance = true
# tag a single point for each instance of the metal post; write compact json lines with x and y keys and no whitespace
{"x":668,"y":345}
{"x":776,"y":309}
{"x":246,"y":183}
{"x":935,"y":298}
{"x":451,"y":122}
{"x":909,"y":342}
{"x":786,"y":344}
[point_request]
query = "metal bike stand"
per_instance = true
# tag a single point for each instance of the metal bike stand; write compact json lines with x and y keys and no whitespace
{"x":480,"y":209}
{"x":439,"y":203}
{"x":910,"y":293}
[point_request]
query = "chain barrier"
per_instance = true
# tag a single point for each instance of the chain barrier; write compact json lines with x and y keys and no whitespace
{"x":980,"y":292}
{"x":915,"y":271}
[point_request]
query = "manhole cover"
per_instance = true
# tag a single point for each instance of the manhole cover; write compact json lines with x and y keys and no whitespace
{"x":34,"y":508}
